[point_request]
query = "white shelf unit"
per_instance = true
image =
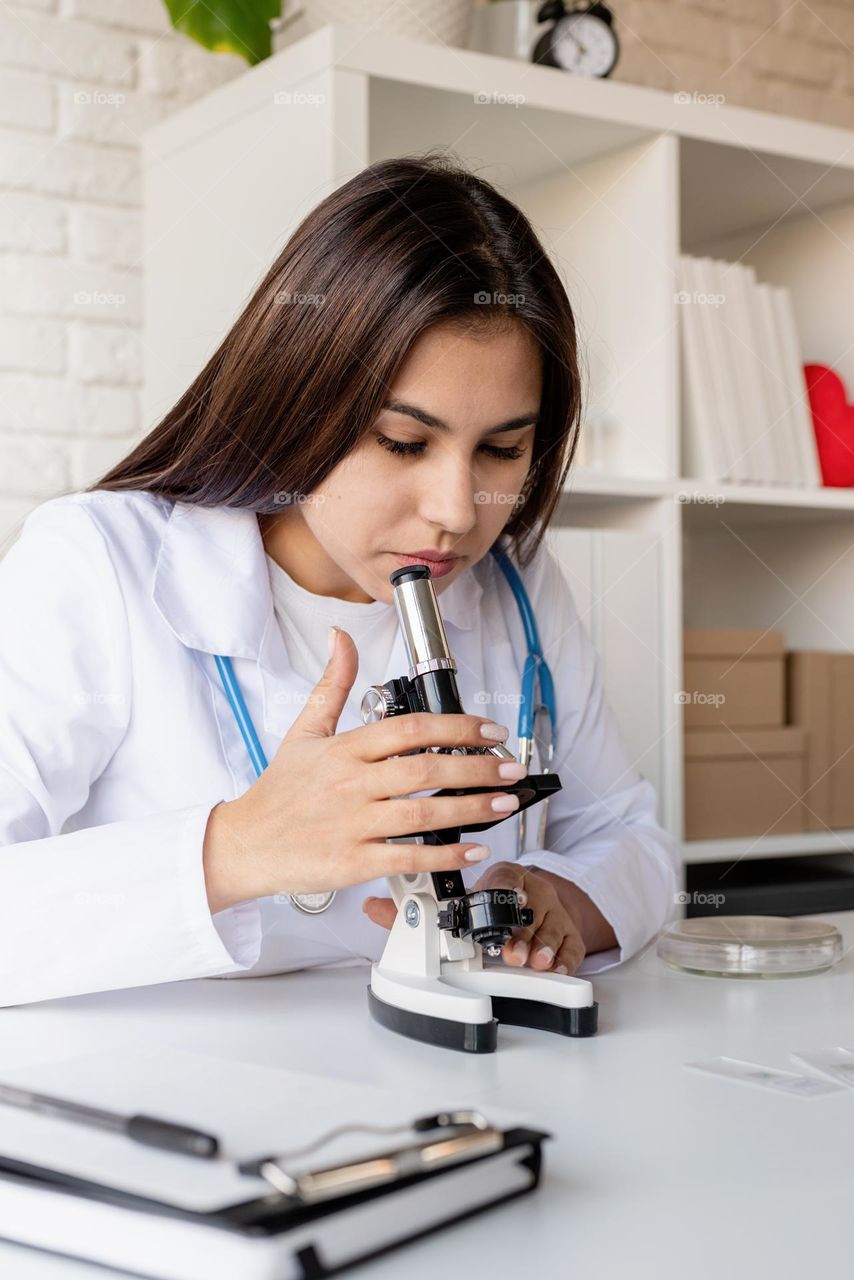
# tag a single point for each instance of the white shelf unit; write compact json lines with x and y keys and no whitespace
{"x":618,"y":180}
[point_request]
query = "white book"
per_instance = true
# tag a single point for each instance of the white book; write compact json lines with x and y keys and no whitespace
{"x":704,"y":455}
{"x":757,"y":359}
{"x":726,"y":392}
{"x":96,"y":1195}
{"x":799,"y":415}
{"x":742,"y":341}
{"x":786,"y":446}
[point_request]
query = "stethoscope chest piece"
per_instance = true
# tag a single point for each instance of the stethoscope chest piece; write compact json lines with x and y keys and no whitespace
{"x":312,"y":903}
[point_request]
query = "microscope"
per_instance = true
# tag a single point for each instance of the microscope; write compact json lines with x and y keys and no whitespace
{"x":431,"y":983}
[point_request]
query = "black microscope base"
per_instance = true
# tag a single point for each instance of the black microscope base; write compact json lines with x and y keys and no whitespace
{"x":513,"y":1012}
{"x":482,"y":1037}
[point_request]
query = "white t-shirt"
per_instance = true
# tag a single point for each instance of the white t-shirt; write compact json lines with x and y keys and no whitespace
{"x":305,"y":619}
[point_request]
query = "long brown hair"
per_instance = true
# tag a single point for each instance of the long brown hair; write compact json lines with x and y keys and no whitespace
{"x":304,"y":371}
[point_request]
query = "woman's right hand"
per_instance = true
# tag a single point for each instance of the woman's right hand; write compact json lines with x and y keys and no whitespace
{"x":318,"y":816}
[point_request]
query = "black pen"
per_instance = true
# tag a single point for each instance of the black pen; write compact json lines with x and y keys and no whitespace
{"x":148,"y":1130}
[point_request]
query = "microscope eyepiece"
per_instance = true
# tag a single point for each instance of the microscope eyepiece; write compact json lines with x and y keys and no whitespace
{"x":409,"y":573}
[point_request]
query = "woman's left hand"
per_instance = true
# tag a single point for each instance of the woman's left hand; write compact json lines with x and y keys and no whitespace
{"x":552,"y":941}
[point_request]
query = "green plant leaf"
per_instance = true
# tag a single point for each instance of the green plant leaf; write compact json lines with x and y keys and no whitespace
{"x":227,"y":26}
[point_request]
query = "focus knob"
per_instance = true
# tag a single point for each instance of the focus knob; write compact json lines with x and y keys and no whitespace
{"x":377,"y":703}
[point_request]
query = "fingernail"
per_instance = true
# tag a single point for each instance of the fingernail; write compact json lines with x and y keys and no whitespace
{"x":520,"y":951}
{"x":477,"y":854}
{"x":505,"y":804}
{"x":561,"y":968}
{"x":330,"y":640}
{"x":546,"y":955}
{"x":496,"y":732}
{"x":512,"y":771}
{"x":367,"y":903}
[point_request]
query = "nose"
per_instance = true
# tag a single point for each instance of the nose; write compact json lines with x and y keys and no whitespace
{"x":449,"y":498}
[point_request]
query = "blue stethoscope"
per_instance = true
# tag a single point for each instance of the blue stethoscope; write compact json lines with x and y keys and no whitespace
{"x":537,"y":718}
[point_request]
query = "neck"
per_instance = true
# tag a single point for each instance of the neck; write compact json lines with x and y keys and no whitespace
{"x":288,"y":540}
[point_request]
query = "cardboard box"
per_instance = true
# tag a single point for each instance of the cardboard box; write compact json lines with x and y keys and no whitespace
{"x":734,"y":678}
{"x":820,"y":689}
{"x":748,"y":783}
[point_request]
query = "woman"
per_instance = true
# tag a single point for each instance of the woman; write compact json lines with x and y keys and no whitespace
{"x":404,"y":380}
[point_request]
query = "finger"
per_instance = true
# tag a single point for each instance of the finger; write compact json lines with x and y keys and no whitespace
{"x":381,"y":910}
{"x":547,"y":939}
{"x":395,"y":735}
{"x":570,"y":953}
{"x":518,"y":947}
{"x":410,"y":815}
{"x":319,"y":717}
{"x":430,"y":770}
{"x":381,"y":859}
{"x":504,"y":875}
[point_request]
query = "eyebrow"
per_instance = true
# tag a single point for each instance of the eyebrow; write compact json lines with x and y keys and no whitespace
{"x":429,"y":420}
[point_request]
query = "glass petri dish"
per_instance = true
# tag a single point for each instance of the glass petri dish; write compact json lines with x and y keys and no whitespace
{"x":750,"y":946}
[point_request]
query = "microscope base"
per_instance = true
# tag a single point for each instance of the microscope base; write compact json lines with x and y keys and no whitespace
{"x":470,"y":1037}
{"x":513,"y":1012}
{"x":482,"y":1037}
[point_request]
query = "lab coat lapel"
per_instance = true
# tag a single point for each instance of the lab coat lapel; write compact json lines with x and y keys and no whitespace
{"x":211,"y":583}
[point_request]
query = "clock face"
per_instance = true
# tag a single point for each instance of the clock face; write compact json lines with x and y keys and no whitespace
{"x":584,"y":44}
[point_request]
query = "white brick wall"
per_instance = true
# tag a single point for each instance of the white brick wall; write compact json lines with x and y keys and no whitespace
{"x":80,"y":80}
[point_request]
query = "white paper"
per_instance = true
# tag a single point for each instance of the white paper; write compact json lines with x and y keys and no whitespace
{"x":766,"y":1077}
{"x":253,"y":1110}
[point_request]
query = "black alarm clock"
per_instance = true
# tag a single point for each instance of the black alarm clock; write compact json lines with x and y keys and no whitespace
{"x":581,"y":40}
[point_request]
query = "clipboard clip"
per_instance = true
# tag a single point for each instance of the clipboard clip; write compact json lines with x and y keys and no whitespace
{"x":458,"y":1135}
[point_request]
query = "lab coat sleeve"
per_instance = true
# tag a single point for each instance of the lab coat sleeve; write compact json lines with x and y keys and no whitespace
{"x":602,"y":832}
{"x":118,"y":905}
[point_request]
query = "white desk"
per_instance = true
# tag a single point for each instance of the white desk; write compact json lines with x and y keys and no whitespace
{"x":653,"y":1171}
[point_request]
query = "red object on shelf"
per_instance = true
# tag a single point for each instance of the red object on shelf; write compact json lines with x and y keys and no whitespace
{"x":833,"y":422}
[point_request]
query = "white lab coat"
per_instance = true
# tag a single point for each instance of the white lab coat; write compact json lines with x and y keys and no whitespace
{"x":116,"y":740}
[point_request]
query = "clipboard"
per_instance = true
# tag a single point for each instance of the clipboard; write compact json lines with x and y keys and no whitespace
{"x":269,"y":1237}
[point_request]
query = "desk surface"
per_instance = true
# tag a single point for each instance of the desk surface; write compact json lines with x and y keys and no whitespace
{"x":653,"y":1170}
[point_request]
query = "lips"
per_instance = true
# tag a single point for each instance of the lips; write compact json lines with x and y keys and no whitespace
{"x":431,"y":557}
{"x":438,"y":568}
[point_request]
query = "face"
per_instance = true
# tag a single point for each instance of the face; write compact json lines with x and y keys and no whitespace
{"x":433,"y":473}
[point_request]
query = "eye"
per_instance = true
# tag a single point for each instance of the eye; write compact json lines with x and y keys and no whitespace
{"x":414,"y":449}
